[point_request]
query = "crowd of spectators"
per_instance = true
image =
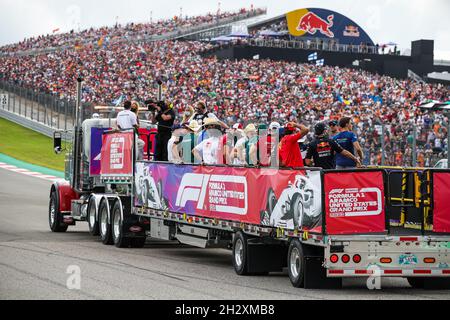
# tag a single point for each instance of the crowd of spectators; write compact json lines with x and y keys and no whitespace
{"x":247,"y":91}
{"x":119,"y":32}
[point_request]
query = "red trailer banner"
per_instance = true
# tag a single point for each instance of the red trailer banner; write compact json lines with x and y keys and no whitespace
{"x":441,"y":202}
{"x":354,"y":202}
{"x":117,"y":154}
{"x":283,"y":198}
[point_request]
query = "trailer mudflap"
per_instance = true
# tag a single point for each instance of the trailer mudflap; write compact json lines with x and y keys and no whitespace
{"x":316,"y":275}
{"x":266,"y":257}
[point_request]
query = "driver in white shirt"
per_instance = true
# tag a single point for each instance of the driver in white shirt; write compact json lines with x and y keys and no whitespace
{"x":126,"y":119}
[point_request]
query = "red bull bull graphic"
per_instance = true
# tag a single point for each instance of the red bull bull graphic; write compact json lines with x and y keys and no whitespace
{"x":311,"y":23}
{"x":327,"y":25}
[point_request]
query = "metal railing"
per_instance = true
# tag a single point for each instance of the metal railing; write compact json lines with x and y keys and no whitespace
{"x":311,"y":45}
{"x":45,"y":109}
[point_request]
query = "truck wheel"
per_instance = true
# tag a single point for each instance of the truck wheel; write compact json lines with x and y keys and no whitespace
{"x":92,"y":218}
{"x":240,"y":254}
{"x":298,"y":211}
{"x":117,"y":228}
{"x":296,"y":266}
{"x":105,"y":225}
{"x":55,"y":219}
{"x":138,"y":243}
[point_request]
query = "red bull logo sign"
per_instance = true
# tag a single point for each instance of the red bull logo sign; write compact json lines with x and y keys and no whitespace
{"x":325,"y":24}
{"x":311,"y":23}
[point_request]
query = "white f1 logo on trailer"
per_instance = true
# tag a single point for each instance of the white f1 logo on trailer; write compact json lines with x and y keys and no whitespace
{"x":194,"y":187}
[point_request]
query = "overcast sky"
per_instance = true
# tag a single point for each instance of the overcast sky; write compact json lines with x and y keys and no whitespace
{"x":400,"y":21}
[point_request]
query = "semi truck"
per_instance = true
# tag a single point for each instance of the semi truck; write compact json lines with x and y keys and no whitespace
{"x":320,"y":225}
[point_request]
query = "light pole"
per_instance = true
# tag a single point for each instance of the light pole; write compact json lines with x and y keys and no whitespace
{"x":151,"y":17}
{"x":181,"y":13}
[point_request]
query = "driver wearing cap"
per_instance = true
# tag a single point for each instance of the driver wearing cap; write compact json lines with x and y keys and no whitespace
{"x":322,"y":151}
{"x":290,"y":155}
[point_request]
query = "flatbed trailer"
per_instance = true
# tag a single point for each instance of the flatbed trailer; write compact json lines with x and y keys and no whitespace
{"x":322,"y":226}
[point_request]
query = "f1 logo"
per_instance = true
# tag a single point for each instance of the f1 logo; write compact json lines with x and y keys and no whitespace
{"x":194,"y":187}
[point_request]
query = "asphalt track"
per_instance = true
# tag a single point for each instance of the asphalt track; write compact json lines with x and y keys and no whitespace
{"x":34,"y":263}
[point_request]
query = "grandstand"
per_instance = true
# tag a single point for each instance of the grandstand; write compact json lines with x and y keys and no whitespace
{"x":237,"y":81}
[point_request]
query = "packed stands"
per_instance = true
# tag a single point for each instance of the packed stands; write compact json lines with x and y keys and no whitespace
{"x":245,"y":91}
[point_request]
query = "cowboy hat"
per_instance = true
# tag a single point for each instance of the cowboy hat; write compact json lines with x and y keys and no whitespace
{"x":211,"y":122}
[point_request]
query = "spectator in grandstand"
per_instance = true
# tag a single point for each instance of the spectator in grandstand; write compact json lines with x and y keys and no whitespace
{"x":289,"y":150}
{"x":347,"y":140}
{"x":322,"y":150}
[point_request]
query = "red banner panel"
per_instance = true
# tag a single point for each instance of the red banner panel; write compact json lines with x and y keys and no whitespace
{"x":283,"y":198}
{"x":354,"y":202}
{"x":441,"y":198}
{"x":117,"y":154}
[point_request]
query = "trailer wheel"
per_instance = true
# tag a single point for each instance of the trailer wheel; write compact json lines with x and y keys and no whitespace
{"x":138,"y":243}
{"x":240,"y":254}
{"x":55,"y":219}
{"x":296,"y":266}
{"x":298,"y":211}
{"x":117,"y":228}
{"x":105,"y":225}
{"x":92,"y":218}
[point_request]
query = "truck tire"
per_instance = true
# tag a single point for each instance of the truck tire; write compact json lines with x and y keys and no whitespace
{"x":105,"y":225}
{"x":240,"y":254}
{"x":92,"y":218}
{"x":137,"y":243}
{"x":120,"y":241}
{"x":296,"y":265}
{"x":55,"y":218}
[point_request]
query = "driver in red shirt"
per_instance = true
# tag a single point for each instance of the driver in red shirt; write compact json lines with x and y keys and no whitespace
{"x":290,"y":154}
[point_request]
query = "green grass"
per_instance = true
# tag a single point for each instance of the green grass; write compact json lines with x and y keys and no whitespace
{"x":28,"y":146}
